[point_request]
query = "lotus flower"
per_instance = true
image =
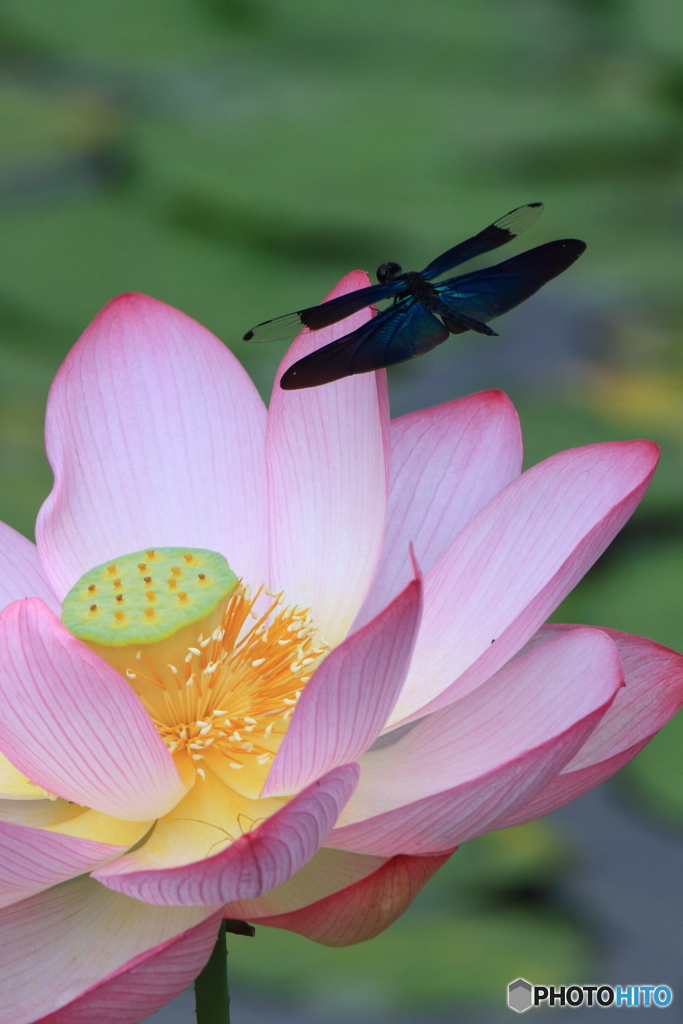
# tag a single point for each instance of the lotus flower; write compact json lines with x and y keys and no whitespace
{"x":229,"y":614}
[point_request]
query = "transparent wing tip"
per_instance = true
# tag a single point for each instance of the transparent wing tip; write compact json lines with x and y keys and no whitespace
{"x":283,"y":328}
{"x":520,"y":219}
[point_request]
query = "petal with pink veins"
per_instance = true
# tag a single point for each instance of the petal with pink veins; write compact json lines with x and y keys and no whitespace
{"x":33,"y":859}
{"x":447,"y":462}
{"x":79,"y":953}
{"x":255,"y":862}
{"x":513,"y":564}
{"x":21,"y":571}
{"x":72,"y":724}
{"x":15,"y":786}
{"x":147,"y":983}
{"x":364,"y":909}
{"x":567,"y":787}
{"x":326,"y":452}
{"x":652,"y":694}
{"x":343,"y":708}
{"x":155,"y":435}
{"x":330,"y":871}
{"x":460,"y":770}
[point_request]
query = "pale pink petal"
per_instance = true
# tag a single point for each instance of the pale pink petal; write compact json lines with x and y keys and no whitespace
{"x":72,"y":724}
{"x":447,"y":462}
{"x":364,"y":909}
{"x":325,"y":874}
{"x":327,"y":483}
{"x":57,"y":949}
{"x":15,"y":786}
{"x":652,"y":694}
{"x":457,"y":772}
{"x":155,"y":435}
{"x":530,"y":701}
{"x":513,"y":564}
{"x":21,"y":571}
{"x":345,"y":705}
{"x":259,"y":860}
{"x":32,"y":859}
{"x":145,"y":984}
{"x":567,"y":787}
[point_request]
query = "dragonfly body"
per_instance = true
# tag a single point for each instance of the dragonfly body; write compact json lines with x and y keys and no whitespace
{"x":423,"y":291}
{"x":423,"y":312}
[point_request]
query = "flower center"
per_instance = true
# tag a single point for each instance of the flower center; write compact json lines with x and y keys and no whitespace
{"x":219,"y":678}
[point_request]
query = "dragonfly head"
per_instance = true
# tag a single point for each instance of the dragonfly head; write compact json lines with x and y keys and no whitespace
{"x":389,"y":272}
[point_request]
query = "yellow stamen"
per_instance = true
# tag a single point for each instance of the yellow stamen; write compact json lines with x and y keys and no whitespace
{"x":223,"y":676}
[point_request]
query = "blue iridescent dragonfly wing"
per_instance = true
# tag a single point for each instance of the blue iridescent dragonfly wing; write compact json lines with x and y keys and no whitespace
{"x":403,"y":331}
{"x":316,"y":317}
{"x":458,"y":322}
{"x":496,"y":234}
{"x":485,"y":294}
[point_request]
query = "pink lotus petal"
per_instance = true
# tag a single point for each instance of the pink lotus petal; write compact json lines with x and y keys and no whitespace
{"x":365,"y":909}
{"x":147,"y":983}
{"x":32,"y":859}
{"x":447,"y":462}
{"x":72,"y":724}
{"x":257,"y":861}
{"x":530,"y":701}
{"x":513,"y":564}
{"x":652,"y":694}
{"x":15,"y":786}
{"x":155,"y":435}
{"x":347,"y":702}
{"x":460,"y":770}
{"x":327,"y":483}
{"x":325,"y":874}
{"x":21,"y":571}
{"x":567,"y":787}
{"x":78,"y":953}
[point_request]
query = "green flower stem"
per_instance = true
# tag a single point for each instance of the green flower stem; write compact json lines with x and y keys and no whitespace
{"x":212,"y":1000}
{"x":211,"y":996}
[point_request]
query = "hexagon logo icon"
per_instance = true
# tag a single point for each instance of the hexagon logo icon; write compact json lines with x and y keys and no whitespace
{"x":519,"y":995}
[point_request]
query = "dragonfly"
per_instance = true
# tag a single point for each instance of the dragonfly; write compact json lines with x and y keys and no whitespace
{"x":424,"y":312}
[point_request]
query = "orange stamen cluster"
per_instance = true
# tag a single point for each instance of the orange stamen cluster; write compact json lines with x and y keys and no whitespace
{"x":236,"y":689}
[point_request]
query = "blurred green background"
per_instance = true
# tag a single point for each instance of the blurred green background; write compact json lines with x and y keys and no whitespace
{"x":234,"y":158}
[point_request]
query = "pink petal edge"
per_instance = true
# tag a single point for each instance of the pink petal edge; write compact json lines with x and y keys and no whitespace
{"x":347,"y":702}
{"x":567,"y":787}
{"x":513,"y":564}
{"x":363,"y":910}
{"x":327,"y":480}
{"x":72,"y":724}
{"x":257,"y":861}
{"x":652,"y":694}
{"x":459,"y":772}
{"x":78,"y":953}
{"x":447,"y":462}
{"x":155,"y":435}
{"x":328,"y":872}
{"x":21,"y":571}
{"x":145,"y":984}
{"x":33,"y":859}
